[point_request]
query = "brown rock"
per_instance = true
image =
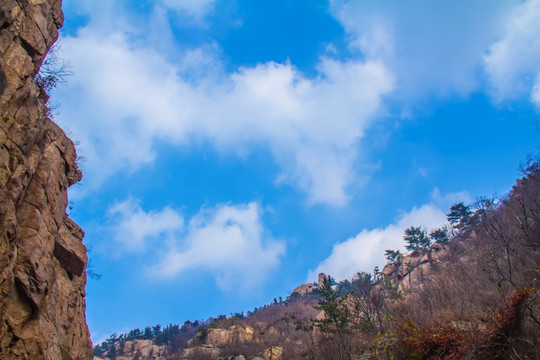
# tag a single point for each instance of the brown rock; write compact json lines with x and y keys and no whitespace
{"x":273,"y":353}
{"x":390,"y":268}
{"x":218,"y":337}
{"x":304,"y":289}
{"x":192,"y":353}
{"x":136,"y":349}
{"x":321,"y":278}
{"x":235,"y":334}
{"x":42,"y":257}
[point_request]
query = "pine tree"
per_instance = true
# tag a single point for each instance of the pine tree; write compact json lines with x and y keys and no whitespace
{"x":376,"y":273}
{"x":416,"y":238}
{"x":439,"y":236}
{"x":331,"y":301}
{"x":459,"y":216}
{"x":391,"y":255}
{"x":147,"y":333}
{"x":337,"y":321}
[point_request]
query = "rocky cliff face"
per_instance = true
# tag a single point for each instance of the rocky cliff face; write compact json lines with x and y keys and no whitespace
{"x":42,"y":257}
{"x":409,"y":272}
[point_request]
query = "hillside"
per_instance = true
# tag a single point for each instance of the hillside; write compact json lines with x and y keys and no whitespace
{"x":465,"y":292}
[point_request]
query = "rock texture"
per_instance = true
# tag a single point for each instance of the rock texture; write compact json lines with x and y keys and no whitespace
{"x":303,"y":289}
{"x":136,"y":349}
{"x":236,"y":334}
{"x":42,"y":257}
{"x":409,"y":272}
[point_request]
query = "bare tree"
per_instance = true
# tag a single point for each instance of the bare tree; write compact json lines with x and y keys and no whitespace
{"x":53,"y":70}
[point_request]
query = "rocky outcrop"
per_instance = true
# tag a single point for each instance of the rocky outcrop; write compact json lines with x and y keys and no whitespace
{"x":309,"y":288}
{"x":237,"y":334}
{"x":410,"y":271}
{"x":321,"y":278}
{"x":42,"y":257}
{"x":136,"y":349}
{"x":303,"y":289}
{"x":200,"y":352}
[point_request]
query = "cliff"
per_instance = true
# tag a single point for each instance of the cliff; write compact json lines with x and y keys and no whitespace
{"x":42,"y":257}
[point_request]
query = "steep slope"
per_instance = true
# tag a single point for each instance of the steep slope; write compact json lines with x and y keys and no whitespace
{"x":42,"y":257}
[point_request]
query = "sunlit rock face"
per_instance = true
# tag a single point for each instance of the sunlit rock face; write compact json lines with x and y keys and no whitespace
{"x":408,"y":273}
{"x":42,"y":257}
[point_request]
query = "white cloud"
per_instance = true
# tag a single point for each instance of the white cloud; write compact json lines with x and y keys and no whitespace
{"x":134,"y":228}
{"x":512,"y":62}
{"x":430,"y":46}
{"x":366,"y":250}
{"x":230,"y":243}
{"x":447,"y":200}
{"x":196,"y":8}
{"x":125,"y":97}
{"x":535,"y":96}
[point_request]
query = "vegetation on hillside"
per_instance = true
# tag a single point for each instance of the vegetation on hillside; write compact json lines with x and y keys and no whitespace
{"x":471,"y":293}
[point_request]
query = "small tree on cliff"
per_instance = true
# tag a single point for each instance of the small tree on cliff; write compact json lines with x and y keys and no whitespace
{"x":391,"y":255}
{"x":416,"y":238}
{"x":439,"y":236}
{"x":53,"y":70}
{"x":459,"y":216}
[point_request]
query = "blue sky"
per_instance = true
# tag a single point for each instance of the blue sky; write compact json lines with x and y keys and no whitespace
{"x":232,"y":149}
